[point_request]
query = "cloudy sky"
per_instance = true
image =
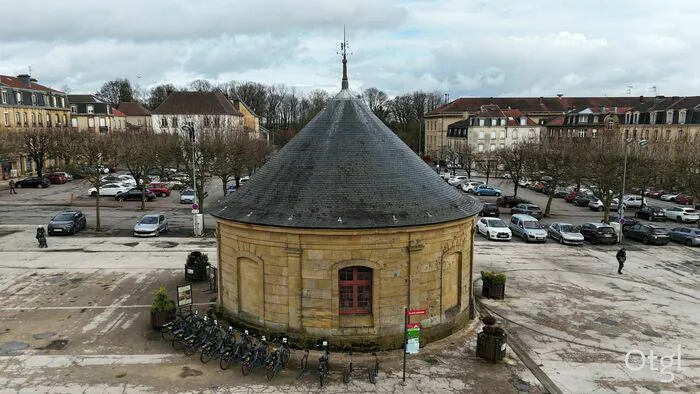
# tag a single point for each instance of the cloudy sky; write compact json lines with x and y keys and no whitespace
{"x":461,"y":47}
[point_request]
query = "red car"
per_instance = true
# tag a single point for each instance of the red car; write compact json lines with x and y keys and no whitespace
{"x":57,"y":179}
{"x":657,"y":193}
{"x":159,"y":188}
{"x":570,"y":198}
{"x":684,"y":199}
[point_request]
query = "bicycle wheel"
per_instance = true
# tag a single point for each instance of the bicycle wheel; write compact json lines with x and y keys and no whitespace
{"x":190,"y":349}
{"x":323,"y":374}
{"x":373,"y":372}
{"x":270,"y":370}
{"x":178,"y":343}
{"x":303,"y":364}
{"x":285,"y":357}
{"x":225,"y":360}
{"x":167,"y":333}
{"x":247,"y":367}
{"x":346,"y":374}
{"x":205,"y":356}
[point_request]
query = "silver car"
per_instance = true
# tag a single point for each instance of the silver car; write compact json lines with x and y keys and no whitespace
{"x":151,"y":225}
{"x":565,"y":233}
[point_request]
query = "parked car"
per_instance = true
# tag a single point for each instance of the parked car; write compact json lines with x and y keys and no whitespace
{"x":561,"y":192}
{"x":527,"y":209}
{"x":527,"y":228}
{"x":565,"y":233}
{"x":69,"y":222}
{"x":469,"y":187}
{"x":583,"y":200}
{"x":456,"y":179}
{"x":484,"y":190}
{"x":647,"y":233}
{"x":67,"y":175}
{"x":159,"y":188}
{"x":511,"y":201}
{"x":33,"y":182}
{"x":658,"y":193}
{"x":112,"y":178}
{"x":634,"y":201}
{"x":598,"y":233}
{"x":110,"y":189}
{"x":669,"y":197}
{"x":682,"y":214}
{"x":596,"y":204}
{"x":684,"y":199}
{"x":685,"y":235}
{"x":628,"y":220}
{"x":151,"y":225}
{"x":187,"y":196}
{"x":56,"y":179}
{"x":651,"y":214}
{"x":494,"y":229}
{"x":490,"y":210}
{"x":134,"y":194}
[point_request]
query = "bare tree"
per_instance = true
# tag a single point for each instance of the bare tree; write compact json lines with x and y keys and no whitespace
{"x":95,"y":149}
{"x":167,"y":153}
{"x":229,"y":161}
{"x":466,"y":156}
{"x":487,"y":163}
{"x":515,"y":160}
{"x":605,"y":155}
{"x":68,"y":145}
{"x":554,"y":157}
{"x":253,"y":94}
{"x":158,"y":94}
{"x":116,"y":91}
{"x":38,"y":145}
{"x":686,"y":167}
{"x":135,"y":152}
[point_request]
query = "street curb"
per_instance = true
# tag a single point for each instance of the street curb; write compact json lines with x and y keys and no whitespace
{"x":83,"y":204}
{"x":519,"y":350}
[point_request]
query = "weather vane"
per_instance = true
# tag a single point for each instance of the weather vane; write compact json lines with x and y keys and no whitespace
{"x":344,"y":52}
{"x":344,"y":46}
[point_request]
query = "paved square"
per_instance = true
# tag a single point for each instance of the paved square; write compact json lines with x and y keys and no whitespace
{"x":579,"y":318}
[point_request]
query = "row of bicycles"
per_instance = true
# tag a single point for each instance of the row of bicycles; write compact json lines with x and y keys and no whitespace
{"x":194,"y":334}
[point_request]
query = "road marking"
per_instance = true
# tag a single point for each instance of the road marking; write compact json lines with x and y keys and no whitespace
{"x":59,"y":308}
{"x":65,"y":361}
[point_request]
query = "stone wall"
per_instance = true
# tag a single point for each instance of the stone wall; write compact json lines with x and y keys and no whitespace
{"x":278,"y":279}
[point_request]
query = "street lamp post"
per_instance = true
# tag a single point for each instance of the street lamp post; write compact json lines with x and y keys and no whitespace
{"x":621,"y":205}
{"x":189,"y":129}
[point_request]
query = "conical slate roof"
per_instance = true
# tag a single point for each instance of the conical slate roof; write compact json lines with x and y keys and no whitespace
{"x":346,"y":170}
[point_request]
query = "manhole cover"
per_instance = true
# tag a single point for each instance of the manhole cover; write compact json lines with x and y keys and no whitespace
{"x":58,"y":344}
{"x":9,"y":348}
{"x":43,"y":335}
{"x":607,"y":321}
{"x":187,"y":371}
{"x":131,"y":244}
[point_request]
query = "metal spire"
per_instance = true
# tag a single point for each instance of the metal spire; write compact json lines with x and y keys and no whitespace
{"x":343,"y":48}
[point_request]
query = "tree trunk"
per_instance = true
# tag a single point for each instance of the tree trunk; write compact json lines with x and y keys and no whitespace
{"x":39,"y":163}
{"x":550,"y":197}
{"x":98,"y":224}
{"x":143,"y":195}
{"x":515,"y":186}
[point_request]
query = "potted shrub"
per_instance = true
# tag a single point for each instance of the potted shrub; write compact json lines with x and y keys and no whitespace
{"x":493,"y":285}
{"x":491,"y":341}
{"x":163,"y":309}
{"x":196,"y":267}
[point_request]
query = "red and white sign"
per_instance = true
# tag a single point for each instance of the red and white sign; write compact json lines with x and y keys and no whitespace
{"x":414,"y":312}
{"x":412,"y":325}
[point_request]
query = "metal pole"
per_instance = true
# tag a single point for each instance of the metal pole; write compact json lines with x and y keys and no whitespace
{"x":405,"y":342}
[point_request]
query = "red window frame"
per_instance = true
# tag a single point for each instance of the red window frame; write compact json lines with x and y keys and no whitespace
{"x":355,"y":290}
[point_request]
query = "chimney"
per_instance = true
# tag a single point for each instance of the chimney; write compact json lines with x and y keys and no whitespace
{"x":641,"y":99}
{"x":541,"y":100}
{"x":615,"y":109}
{"x":602,"y":109}
{"x":560,"y":95}
{"x":25,"y":79}
{"x":34,"y":80}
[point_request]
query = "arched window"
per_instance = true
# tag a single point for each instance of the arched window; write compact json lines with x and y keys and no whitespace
{"x":355,"y":290}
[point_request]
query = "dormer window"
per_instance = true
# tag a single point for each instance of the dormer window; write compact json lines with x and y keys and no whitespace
{"x":652,"y":117}
{"x":503,"y":122}
{"x":669,"y":116}
{"x":583,"y":119}
{"x":523,"y":121}
{"x":636,"y":118}
{"x":595,"y":120}
{"x":482,"y":121}
{"x":681,"y":116}
{"x":90,"y":109}
{"x":53,"y":99}
{"x":628,"y":117}
{"x":33,"y":99}
{"x":74,"y":109}
{"x":19,"y":97}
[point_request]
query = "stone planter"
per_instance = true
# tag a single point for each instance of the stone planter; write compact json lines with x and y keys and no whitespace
{"x":195,"y":273}
{"x":159,"y":319}
{"x":493,"y":290}
{"x":491,"y":347}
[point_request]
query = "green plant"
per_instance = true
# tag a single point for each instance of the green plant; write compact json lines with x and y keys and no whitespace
{"x":198,"y":258}
{"x":495,"y":278}
{"x":496,"y":331}
{"x":489,"y":320}
{"x":162,"y":302}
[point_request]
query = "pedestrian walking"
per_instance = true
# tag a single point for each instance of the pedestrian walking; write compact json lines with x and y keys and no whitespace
{"x":621,"y":258}
{"x":41,"y":237}
{"x":12,"y":187}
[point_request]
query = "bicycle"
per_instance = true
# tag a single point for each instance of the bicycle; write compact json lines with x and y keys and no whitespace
{"x":235,"y":352}
{"x":256,"y":358}
{"x":213,"y":348}
{"x":277,"y":360}
{"x":374,"y":370}
{"x":168,"y":330}
{"x":324,"y":367}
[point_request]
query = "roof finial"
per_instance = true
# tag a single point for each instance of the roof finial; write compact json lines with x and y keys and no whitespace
{"x":344,"y":51}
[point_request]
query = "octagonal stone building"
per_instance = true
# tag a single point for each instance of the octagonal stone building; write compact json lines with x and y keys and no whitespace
{"x":340,"y":231}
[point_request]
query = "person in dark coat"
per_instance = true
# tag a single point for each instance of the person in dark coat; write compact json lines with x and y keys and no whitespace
{"x":41,"y":237}
{"x":621,"y":258}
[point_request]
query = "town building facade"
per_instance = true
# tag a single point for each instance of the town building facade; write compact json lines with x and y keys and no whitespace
{"x":437,"y":121}
{"x":138,"y":117}
{"x":90,"y":113}
{"x":27,"y":105}
{"x":203,"y":110}
{"x":664,"y":119}
{"x":584,"y":123}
